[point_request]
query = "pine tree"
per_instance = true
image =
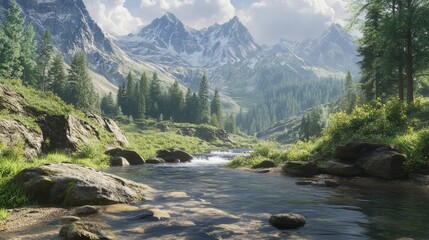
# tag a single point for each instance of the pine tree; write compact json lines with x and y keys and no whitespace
{"x":129,"y":107}
{"x":57,"y":77}
{"x":349,"y":99}
{"x":216,"y":110}
{"x":143,"y":94}
{"x":154,"y":96}
{"x":13,"y":30}
{"x":28,"y":57}
{"x":176,"y":103}
{"x":80,"y":86}
{"x":203,"y":97}
{"x":230,"y":124}
{"x":45,"y":58}
{"x":108,"y":106}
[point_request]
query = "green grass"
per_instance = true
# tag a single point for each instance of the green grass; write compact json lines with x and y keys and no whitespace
{"x":12,"y":162}
{"x":3,"y":214}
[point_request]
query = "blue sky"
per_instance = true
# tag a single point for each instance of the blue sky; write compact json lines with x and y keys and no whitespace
{"x":267,"y":20}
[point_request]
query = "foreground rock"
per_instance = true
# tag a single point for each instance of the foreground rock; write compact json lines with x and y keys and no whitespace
{"x":300,"y":169}
{"x":172,"y":155}
{"x":86,"y":230}
{"x":75,"y":185}
{"x":132,"y":157}
{"x":287,"y":221}
{"x":13,"y":133}
{"x":336,"y":167}
{"x":155,"y":160}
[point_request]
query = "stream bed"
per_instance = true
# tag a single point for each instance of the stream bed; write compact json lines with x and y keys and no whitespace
{"x":215,"y":202}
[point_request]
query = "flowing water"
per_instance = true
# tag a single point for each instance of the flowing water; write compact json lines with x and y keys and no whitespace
{"x":226,"y":203}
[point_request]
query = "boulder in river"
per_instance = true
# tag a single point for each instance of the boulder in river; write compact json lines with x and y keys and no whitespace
{"x":172,"y":155}
{"x":86,"y":230}
{"x":287,"y":220}
{"x":300,"y":169}
{"x":132,"y":157}
{"x":75,"y":185}
{"x":338,"y":168}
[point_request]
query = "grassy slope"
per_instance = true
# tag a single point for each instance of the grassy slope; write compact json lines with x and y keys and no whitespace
{"x":389,"y":123}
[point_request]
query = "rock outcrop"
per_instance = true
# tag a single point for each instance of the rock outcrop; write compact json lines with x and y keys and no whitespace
{"x":15,"y":102}
{"x":75,"y":185}
{"x":110,"y":126}
{"x":51,"y":132}
{"x":211,"y":134}
{"x":12,"y":133}
{"x":66,"y":132}
{"x":132,"y":157}
{"x":172,"y":155}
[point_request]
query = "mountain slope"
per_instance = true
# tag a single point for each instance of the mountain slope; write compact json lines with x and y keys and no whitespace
{"x":73,"y":29}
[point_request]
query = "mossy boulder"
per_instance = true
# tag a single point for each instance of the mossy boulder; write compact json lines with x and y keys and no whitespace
{"x":75,"y":185}
{"x":86,"y":230}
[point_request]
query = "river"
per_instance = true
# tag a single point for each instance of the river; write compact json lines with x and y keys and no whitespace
{"x":229,"y":203}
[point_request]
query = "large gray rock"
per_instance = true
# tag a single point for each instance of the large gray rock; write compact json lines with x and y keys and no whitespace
{"x":352,"y":151}
{"x":75,"y":185}
{"x":86,"y":230}
{"x":67,"y":132}
{"x":132,"y":157}
{"x":13,"y":133}
{"x":171,"y":155}
{"x":300,"y":169}
{"x":287,"y":221}
{"x":336,"y":167}
{"x":384,"y":164}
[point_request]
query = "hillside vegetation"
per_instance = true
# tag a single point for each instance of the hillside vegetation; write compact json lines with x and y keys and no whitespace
{"x":393,"y":122}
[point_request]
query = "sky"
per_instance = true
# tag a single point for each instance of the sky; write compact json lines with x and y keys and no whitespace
{"x":267,"y":20}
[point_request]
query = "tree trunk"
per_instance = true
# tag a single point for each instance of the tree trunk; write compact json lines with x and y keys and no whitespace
{"x":401,"y":82}
{"x":409,"y":54}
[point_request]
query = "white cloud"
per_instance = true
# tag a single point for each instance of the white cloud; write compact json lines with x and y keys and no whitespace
{"x":112,"y":16}
{"x":267,"y":20}
{"x":194,"y":13}
{"x":270,"y":20}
